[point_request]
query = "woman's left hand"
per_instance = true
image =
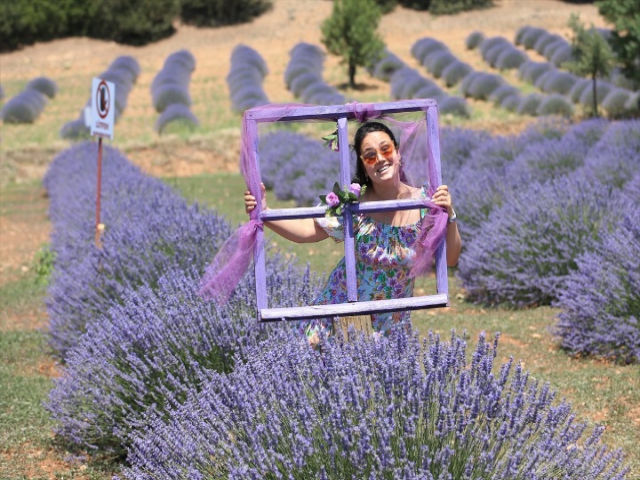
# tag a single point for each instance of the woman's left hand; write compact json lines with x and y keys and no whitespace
{"x":442,"y":198}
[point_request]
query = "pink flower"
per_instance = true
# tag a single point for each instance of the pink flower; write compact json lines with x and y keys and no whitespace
{"x":332,"y":200}
{"x":355,"y":189}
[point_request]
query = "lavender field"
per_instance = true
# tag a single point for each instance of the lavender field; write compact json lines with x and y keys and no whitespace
{"x":114,"y":367}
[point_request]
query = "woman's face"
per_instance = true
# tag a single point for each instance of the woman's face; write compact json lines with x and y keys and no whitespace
{"x":379,"y":156}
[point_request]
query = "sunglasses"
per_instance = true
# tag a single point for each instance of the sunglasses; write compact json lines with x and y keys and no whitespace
{"x":370,"y":156}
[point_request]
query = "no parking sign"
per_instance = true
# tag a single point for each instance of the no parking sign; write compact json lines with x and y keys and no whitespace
{"x":103,"y":98}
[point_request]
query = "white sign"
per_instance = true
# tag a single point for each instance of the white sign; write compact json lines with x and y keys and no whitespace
{"x":103,"y":105}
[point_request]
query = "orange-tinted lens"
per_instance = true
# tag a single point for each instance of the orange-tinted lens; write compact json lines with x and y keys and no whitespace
{"x":371,"y":156}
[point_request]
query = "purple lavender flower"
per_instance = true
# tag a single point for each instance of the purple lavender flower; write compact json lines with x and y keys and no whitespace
{"x":371,"y":408}
{"x":355,"y":188}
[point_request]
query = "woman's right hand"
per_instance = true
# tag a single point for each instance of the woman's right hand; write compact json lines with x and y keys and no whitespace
{"x":250,"y":201}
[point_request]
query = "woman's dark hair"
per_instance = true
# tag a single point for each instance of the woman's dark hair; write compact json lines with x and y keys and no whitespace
{"x":364,"y":130}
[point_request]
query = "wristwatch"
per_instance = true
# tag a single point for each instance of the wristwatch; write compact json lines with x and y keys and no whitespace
{"x":453,"y":217}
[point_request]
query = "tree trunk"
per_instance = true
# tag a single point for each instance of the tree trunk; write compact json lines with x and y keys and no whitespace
{"x":595,"y":98}
{"x":352,"y":75}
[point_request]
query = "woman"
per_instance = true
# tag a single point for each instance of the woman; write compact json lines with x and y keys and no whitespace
{"x":384,"y":240}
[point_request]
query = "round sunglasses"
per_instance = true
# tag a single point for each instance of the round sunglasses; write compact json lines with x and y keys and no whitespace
{"x":370,"y":156}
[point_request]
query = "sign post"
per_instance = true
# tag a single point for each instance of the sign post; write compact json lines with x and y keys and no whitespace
{"x":103,"y":95}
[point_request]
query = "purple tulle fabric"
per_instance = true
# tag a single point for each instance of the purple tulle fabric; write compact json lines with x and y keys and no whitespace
{"x":233,"y":258}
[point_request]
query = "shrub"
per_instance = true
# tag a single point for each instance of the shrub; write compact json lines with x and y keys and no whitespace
{"x":75,"y":130}
{"x":438,"y":61}
{"x":531,"y":36}
{"x":387,"y":66}
{"x":491,"y":42}
{"x":555,"y":104}
{"x":169,"y":94}
{"x":602,"y":90}
{"x":175,"y":112}
{"x":633,"y":104}
{"x":554,"y":46}
{"x":160,"y":345}
{"x":302,"y":81}
{"x":559,"y":82}
{"x":577,"y":89}
{"x":247,"y":56}
{"x":474,"y":39}
{"x":427,"y":414}
{"x":276,"y":150}
{"x":542,"y":79}
{"x":214,"y":13}
{"x":491,"y":54}
{"x":455,"y":72}
{"x":447,"y":7}
{"x":416,"y":84}
{"x":25,"y":107}
{"x":510,"y":59}
{"x":431,"y":91}
{"x":601,"y":303}
{"x":615,"y":101}
{"x":549,"y":159}
{"x":520,"y":33}
{"x":529,"y":104}
{"x":544,"y":40}
{"x":530,"y":71}
{"x":147,"y":228}
{"x":561,"y":55}
{"x":524,"y":253}
{"x":457,"y":146}
{"x":456,"y":106}
{"x":1,"y":93}
{"x":424,"y":46}
{"x":484,"y":85}
{"x":502,"y":92}
{"x":468,"y":80}
{"x":44,"y":85}
{"x":588,"y":132}
{"x":511,"y":103}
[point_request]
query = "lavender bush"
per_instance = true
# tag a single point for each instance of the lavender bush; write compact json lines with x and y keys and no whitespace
{"x":578,"y":88}
{"x":526,"y":249}
{"x":555,"y":104}
{"x":456,"y":106}
{"x":245,"y":78}
{"x":529,"y":71}
{"x":365,"y":408}
{"x":424,"y":46}
{"x":601,"y":302}
{"x":171,"y":83}
{"x":529,"y":104}
{"x":147,"y":228}
{"x":510,"y":59}
{"x":531,"y":36}
{"x":44,"y":85}
{"x":502,"y":92}
{"x":473,"y":40}
{"x":455,"y":72}
{"x":511,"y":103}
{"x":25,"y":107}
{"x":484,"y":85}
{"x":304,"y":73}
{"x":175,"y":112}
{"x":386,"y":66}
{"x":559,"y":82}
{"x":148,"y":353}
{"x":615,"y":102}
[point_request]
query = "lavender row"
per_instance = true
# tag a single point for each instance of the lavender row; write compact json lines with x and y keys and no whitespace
{"x":601,"y":300}
{"x":303,"y":76}
{"x":245,"y":78}
{"x":367,"y":408}
{"x":500,"y":53}
{"x":297,"y":167}
{"x":558,"y":50}
{"x":125,"y":319}
{"x":530,"y":207}
{"x":170,"y":90}
{"x":27,"y":105}
{"x":123,"y":72}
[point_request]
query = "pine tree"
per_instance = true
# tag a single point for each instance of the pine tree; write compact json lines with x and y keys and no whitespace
{"x":351,"y":32}
{"x":592,"y":55}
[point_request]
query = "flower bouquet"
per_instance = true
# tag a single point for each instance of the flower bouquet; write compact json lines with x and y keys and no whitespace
{"x":338,"y":198}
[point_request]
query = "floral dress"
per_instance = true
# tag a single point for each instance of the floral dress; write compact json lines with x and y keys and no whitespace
{"x":384,"y":257}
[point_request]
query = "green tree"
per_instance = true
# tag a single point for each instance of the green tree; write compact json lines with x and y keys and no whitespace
{"x":351,"y":32}
{"x":625,"y":38}
{"x":592,"y":55}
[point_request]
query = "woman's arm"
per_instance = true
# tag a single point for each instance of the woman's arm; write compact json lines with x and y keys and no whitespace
{"x":442,"y":197}
{"x":303,"y":230}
